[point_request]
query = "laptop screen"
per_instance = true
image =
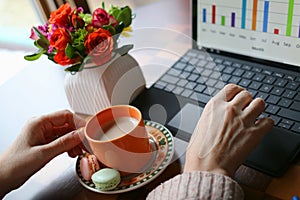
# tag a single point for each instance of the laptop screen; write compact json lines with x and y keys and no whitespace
{"x":265,"y":29}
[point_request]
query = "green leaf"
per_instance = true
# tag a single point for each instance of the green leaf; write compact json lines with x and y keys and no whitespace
{"x":86,"y":60}
{"x":74,"y":68}
{"x":69,"y":51}
{"x":80,"y":48}
{"x":125,"y":16}
{"x":51,"y":57}
{"x":41,"y":36}
{"x":81,"y":15}
{"x":34,"y":56}
{"x":78,"y":36}
{"x":124,"y":49}
{"x":87,"y":18}
{"x":40,"y":44}
{"x":37,"y":45}
{"x":110,"y":28}
{"x":119,"y":28}
{"x":114,"y":11}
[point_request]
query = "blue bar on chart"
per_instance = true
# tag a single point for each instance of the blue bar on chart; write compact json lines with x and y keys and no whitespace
{"x":204,"y":15}
{"x":299,"y":31}
{"x":233,"y":19}
{"x":266,"y":16}
{"x":244,"y":6}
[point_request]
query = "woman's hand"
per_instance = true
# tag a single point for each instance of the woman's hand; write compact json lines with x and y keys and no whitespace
{"x":227,"y":132}
{"x":40,"y":140}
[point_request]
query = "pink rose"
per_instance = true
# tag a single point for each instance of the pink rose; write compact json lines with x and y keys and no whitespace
{"x":99,"y":45}
{"x":100,"y":18}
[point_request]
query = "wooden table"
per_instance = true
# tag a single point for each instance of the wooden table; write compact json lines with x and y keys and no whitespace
{"x":39,"y":89}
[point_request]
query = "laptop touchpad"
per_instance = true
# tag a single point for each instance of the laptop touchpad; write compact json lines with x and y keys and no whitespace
{"x":187,"y":118}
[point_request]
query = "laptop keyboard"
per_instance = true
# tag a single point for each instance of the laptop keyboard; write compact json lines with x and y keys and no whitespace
{"x":199,"y":77}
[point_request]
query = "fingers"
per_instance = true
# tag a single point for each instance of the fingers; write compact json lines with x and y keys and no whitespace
{"x":64,"y":143}
{"x":62,"y":117}
{"x":238,"y":96}
{"x":78,"y":121}
{"x":56,"y":132}
{"x":242,"y":99}
{"x":264,"y":125}
{"x":58,"y":123}
{"x":254,"y":109}
{"x":59,"y":118}
{"x":76,"y":151}
{"x":228,"y":92}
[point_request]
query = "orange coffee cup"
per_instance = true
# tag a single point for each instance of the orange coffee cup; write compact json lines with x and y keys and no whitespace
{"x":118,"y":138}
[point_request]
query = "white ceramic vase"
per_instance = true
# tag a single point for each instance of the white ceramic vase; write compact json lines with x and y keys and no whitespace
{"x":97,"y":87}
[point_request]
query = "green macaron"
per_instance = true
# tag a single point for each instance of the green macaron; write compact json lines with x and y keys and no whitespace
{"x":106,"y":179}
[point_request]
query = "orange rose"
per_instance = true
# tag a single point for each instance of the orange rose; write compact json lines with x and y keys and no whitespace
{"x":60,"y":16}
{"x":62,"y":59}
{"x":99,"y":45}
{"x":76,"y":21}
{"x":59,"y":39}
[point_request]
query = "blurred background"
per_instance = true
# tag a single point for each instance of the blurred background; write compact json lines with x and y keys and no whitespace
{"x":17,"y":18}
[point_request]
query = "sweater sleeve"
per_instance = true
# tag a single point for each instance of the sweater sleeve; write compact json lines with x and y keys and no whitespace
{"x":198,"y":185}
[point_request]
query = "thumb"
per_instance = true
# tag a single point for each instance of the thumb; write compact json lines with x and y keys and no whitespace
{"x":64,"y":143}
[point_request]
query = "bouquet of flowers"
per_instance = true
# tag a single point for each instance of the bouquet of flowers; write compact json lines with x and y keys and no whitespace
{"x":73,"y":38}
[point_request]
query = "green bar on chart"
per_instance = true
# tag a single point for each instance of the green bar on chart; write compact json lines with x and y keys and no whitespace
{"x":290,"y":18}
{"x":223,"y":21}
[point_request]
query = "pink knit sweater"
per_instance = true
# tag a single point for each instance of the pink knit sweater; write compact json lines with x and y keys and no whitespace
{"x":198,"y":185}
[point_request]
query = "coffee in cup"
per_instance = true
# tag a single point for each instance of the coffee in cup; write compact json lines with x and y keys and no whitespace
{"x":118,"y":137}
{"x":116,"y":128}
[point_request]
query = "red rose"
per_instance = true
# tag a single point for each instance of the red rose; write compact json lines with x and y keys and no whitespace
{"x":100,"y":18}
{"x":62,"y":59}
{"x":59,"y":39}
{"x":99,"y":45}
{"x":60,"y":16}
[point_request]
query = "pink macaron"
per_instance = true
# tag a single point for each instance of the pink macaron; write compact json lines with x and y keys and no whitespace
{"x":88,"y":166}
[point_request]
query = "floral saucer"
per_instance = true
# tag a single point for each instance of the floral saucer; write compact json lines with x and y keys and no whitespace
{"x":162,"y":142}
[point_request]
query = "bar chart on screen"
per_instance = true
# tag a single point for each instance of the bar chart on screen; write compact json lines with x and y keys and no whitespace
{"x":263,"y":23}
{"x":278,"y":17}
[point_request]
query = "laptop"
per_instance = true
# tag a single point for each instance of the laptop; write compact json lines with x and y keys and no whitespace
{"x":255,"y":45}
